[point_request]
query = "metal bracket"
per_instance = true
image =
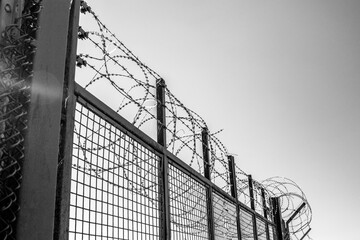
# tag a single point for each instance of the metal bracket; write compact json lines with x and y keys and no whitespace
{"x":10,"y":13}
{"x":295,"y":213}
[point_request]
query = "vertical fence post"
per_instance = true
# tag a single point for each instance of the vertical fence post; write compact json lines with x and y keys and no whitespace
{"x":37,"y":195}
{"x":252,"y":204}
{"x":207,"y":174}
{"x":251,"y":192}
{"x":265,"y":208}
{"x":161,"y":118}
{"x":164,"y":195}
{"x":63,"y":188}
{"x":234,"y":193}
{"x":205,"y":149}
{"x":277,"y":218}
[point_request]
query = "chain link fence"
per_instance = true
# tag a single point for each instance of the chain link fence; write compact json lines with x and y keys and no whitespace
{"x":16,"y":60}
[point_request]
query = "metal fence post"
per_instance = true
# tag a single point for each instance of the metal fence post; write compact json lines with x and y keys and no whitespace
{"x":265,"y":212}
{"x":252,"y":204}
{"x":295,"y":213}
{"x":62,"y":210}
{"x":37,"y":195}
{"x":234,"y":193}
{"x":277,"y":218}
{"x":164,"y":164}
{"x":207,"y":174}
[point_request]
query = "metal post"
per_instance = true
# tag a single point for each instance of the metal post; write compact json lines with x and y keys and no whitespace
{"x":164,"y":164}
{"x":234,"y":193}
{"x":295,"y":213}
{"x":252,"y":204}
{"x":205,"y":148}
{"x":232,"y":176}
{"x":265,"y":208}
{"x":277,"y":218}
{"x":37,"y":195}
{"x":161,"y":117}
{"x":62,"y":210}
{"x":209,"y":190}
{"x":10,"y":11}
{"x":251,"y":192}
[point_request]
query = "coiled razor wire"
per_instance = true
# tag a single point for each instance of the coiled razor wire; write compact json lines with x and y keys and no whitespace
{"x":16,"y":57}
{"x":109,"y":70}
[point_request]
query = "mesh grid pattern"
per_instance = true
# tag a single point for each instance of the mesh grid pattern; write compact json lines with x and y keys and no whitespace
{"x":261,"y":229}
{"x":271,"y":233}
{"x":224,"y":218}
{"x":187,"y":206}
{"x":114,"y":183}
{"x":247,"y":225}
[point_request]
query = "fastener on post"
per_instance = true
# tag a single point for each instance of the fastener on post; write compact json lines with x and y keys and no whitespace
{"x":10,"y":14}
{"x":7,"y":8}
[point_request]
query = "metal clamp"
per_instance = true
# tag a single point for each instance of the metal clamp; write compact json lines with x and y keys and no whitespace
{"x":10,"y":13}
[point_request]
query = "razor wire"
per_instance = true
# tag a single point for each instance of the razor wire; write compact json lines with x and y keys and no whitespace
{"x":114,"y":74}
{"x":16,"y":60}
{"x":291,"y":197}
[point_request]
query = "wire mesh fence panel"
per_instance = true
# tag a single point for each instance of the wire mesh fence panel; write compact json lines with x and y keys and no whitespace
{"x":247,"y":225}
{"x":224,"y":218}
{"x":187,"y":206}
{"x":271,"y":233}
{"x":261,"y":229}
{"x":114,"y":183}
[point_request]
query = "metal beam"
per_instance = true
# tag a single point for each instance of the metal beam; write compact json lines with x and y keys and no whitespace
{"x":251,"y":192}
{"x":234,"y":192}
{"x":37,"y":194}
{"x":252,"y":204}
{"x":295,"y":213}
{"x":161,"y":117}
{"x":209,"y":189}
{"x":205,"y":148}
{"x":164,"y":195}
{"x":265,"y":208}
{"x":277,"y":218}
{"x":62,"y":210}
{"x":232,"y":176}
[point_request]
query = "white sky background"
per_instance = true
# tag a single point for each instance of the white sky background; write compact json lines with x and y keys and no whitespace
{"x":281,"y":77}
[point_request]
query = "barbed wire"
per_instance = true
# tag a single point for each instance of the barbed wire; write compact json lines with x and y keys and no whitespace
{"x":128,"y":86}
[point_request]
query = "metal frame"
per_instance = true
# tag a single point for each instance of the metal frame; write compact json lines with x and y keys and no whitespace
{"x":38,"y":192}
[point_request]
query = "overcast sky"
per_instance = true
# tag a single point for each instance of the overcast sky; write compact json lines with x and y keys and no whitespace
{"x":281,"y":77}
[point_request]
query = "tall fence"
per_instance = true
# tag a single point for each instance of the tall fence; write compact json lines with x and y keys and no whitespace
{"x":94,"y":165}
{"x":118,"y":179}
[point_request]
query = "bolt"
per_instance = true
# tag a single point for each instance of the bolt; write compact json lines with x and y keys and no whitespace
{"x":7,"y":8}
